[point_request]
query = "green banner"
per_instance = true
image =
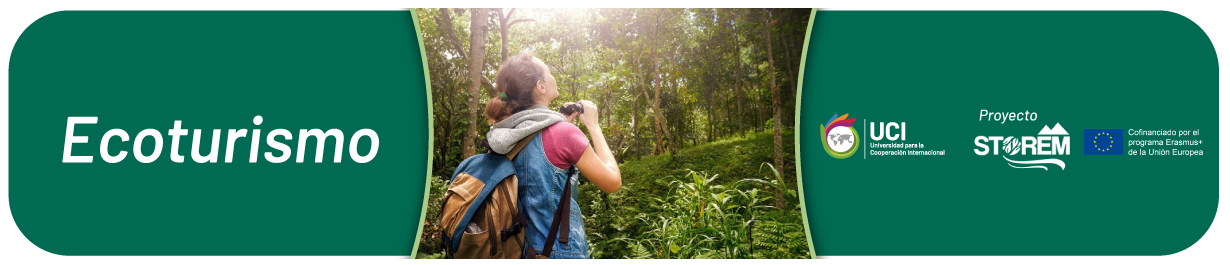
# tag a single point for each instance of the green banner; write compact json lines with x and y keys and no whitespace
{"x":918,"y":133}
{"x":159,"y":87}
{"x":1008,"y":133}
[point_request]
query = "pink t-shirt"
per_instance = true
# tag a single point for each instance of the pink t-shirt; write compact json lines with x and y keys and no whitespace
{"x":564,"y":143}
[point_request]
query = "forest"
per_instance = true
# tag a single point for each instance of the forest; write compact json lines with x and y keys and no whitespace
{"x":697,"y":105}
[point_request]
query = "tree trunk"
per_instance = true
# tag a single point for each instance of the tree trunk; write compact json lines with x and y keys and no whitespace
{"x":753,"y":105}
{"x":478,"y":41}
{"x":504,"y":33}
{"x":738,"y":75}
{"x":606,"y":109}
{"x":711,"y":112}
{"x":506,"y":22}
{"x":659,"y":123}
{"x":792,"y":68}
{"x":633,"y":128}
{"x":446,"y":146}
{"x":777,"y":111}
{"x":445,"y":21}
{"x":649,"y":101}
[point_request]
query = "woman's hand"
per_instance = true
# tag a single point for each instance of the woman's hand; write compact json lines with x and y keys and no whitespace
{"x":589,"y":117}
{"x":572,"y":117}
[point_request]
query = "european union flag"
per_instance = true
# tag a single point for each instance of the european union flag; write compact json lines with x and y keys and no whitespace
{"x":1104,"y":141}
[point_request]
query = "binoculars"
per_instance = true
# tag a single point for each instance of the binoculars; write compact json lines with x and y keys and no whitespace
{"x":571,"y":107}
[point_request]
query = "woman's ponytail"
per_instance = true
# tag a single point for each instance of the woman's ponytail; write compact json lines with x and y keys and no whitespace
{"x":516,"y":80}
{"x":496,"y":110}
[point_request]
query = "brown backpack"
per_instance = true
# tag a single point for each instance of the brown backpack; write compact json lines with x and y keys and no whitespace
{"x":493,"y":227}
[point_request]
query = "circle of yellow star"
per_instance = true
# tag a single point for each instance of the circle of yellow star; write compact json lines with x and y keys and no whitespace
{"x":1095,"y":141}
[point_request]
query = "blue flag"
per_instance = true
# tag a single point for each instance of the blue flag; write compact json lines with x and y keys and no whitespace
{"x":1104,"y":141}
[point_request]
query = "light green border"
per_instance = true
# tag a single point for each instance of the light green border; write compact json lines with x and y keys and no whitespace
{"x":431,"y":130}
{"x":798,"y":166}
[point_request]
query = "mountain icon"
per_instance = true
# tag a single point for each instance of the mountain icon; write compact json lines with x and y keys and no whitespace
{"x":1058,"y":130}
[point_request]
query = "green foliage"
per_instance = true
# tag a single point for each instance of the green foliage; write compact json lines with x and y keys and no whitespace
{"x":706,"y":70}
{"x":730,"y":158}
{"x":668,"y":209}
{"x":780,"y":236}
{"x":422,"y":255}
{"x":430,"y":242}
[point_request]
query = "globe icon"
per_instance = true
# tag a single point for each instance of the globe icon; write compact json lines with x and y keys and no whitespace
{"x":1012,"y":145}
{"x":840,"y":139}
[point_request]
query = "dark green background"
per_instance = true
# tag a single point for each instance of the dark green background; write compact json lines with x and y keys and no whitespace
{"x":216,"y":70}
{"x":936,"y":70}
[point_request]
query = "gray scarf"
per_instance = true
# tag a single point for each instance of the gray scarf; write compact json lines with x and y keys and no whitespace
{"x":506,"y":133}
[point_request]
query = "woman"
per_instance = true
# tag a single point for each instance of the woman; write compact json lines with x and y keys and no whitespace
{"x":547,"y":162}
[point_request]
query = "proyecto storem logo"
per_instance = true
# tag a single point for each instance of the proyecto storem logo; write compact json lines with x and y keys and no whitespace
{"x":1103,"y":141}
{"x":1049,"y":141}
{"x":840,"y":138}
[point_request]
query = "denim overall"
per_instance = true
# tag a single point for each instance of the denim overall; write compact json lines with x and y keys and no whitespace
{"x":541,"y":187}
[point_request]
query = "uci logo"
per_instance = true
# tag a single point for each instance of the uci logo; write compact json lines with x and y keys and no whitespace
{"x":840,"y":138}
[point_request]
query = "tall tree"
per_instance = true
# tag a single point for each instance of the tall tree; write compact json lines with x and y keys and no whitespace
{"x":777,"y":107}
{"x":792,"y":62}
{"x":738,"y":57}
{"x":478,"y":42}
{"x":661,"y":132}
{"x":445,"y":21}
{"x":506,"y":22}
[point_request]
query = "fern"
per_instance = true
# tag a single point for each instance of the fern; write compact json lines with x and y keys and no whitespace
{"x":779,"y":240}
{"x":708,"y":254}
{"x":640,"y":252}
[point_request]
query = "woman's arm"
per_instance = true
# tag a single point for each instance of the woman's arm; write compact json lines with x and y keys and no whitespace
{"x":598,"y":162}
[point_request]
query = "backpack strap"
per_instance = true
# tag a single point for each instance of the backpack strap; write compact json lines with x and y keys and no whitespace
{"x":527,"y":250}
{"x":560,"y":222}
{"x":521,"y":145}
